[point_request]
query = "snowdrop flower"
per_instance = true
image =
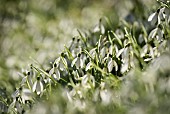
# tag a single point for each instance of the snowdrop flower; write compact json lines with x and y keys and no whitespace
{"x":111,"y":64}
{"x":76,"y":48}
{"x":105,"y":96}
{"x":61,"y":62}
{"x":76,"y":75}
{"x":99,"y":27}
{"x":103,"y":52}
{"x":88,"y":81}
{"x":26,"y":94}
{"x":88,"y":66}
{"x":119,"y":52}
{"x":124,"y":67}
{"x":119,"y":33}
{"x":56,"y":75}
{"x":16,"y":105}
{"x":154,"y":18}
{"x":16,"y":93}
{"x":38,"y":86}
{"x":164,"y":13}
{"x":54,"y":72}
{"x":111,"y":47}
{"x":78,"y":62}
{"x":93,"y":53}
{"x":157,"y":33}
{"x":72,"y":46}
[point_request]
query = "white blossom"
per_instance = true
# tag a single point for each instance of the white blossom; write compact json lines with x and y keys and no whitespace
{"x":38,"y":86}
{"x":154,"y":18}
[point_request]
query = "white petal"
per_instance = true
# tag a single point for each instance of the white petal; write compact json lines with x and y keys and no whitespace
{"x":52,"y":71}
{"x":15,"y":94}
{"x":151,"y":16}
{"x":58,"y":74}
{"x":116,"y":66}
{"x":96,"y":29}
{"x":84,"y":80}
{"x":81,"y":63}
{"x":110,"y":65}
{"x":153,"y":33}
{"x":160,"y":34}
{"x":39,"y":87}
{"x":93,"y":52}
{"x":103,"y":52}
{"x":88,"y":66}
{"x":124,"y":68}
{"x":73,"y":62}
{"x":34,"y":86}
{"x":78,"y":63}
{"x":102,"y":29}
{"x":120,"y":52}
{"x":141,"y":38}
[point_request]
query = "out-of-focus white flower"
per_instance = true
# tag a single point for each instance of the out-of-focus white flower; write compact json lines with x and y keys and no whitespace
{"x":124,"y":67}
{"x":93,"y":53}
{"x":158,"y":16}
{"x":16,"y":105}
{"x":157,"y":33}
{"x":105,"y":96}
{"x":26,"y":94}
{"x":103,"y":52}
{"x":16,"y":93}
{"x":164,"y":13}
{"x":38,"y":86}
{"x":88,"y":81}
{"x":154,"y":18}
{"x":99,"y":28}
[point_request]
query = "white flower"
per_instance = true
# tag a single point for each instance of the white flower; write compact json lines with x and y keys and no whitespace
{"x":119,"y":52}
{"x":88,"y":81}
{"x":93,"y":53}
{"x":111,"y":64}
{"x":99,"y":28}
{"x":38,"y":86}
{"x":157,"y":33}
{"x":16,"y":93}
{"x":16,"y":104}
{"x":105,"y":96}
{"x":56,"y":75}
{"x":103,"y":52}
{"x":54,"y":72}
{"x":154,"y":18}
{"x":78,"y":62}
{"x":88,"y":66}
{"x":124,"y":67}
{"x":61,"y":63}
{"x":76,"y":75}
{"x":111,"y":49}
{"x":26,"y":95}
{"x":164,"y":13}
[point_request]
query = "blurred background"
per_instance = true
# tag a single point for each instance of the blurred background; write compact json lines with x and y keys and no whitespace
{"x":37,"y":30}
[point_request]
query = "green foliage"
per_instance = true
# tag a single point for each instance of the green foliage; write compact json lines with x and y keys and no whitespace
{"x":114,"y":68}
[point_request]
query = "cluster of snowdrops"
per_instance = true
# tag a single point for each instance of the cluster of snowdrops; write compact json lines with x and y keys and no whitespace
{"x":125,"y":70}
